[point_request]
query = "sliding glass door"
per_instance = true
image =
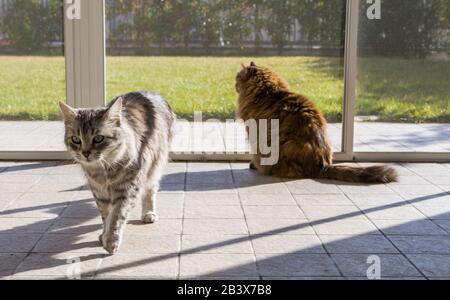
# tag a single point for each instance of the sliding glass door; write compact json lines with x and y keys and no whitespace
{"x":403,"y":82}
{"x":191,"y":51}
{"x":32,"y":75}
{"x":378,"y":70}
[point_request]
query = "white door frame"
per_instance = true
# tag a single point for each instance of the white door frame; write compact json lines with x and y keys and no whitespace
{"x":84,"y":44}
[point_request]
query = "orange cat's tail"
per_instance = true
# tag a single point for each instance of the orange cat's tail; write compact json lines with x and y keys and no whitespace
{"x":376,"y":174}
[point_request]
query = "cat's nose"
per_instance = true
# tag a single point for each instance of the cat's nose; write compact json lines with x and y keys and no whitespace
{"x":86,"y":153}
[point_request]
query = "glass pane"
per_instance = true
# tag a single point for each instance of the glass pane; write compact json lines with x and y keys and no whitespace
{"x":403,"y":96}
{"x":32,"y":75}
{"x":191,"y":51}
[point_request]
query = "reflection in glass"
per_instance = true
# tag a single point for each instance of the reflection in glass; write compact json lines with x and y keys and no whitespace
{"x":32,"y":75}
{"x":190,"y":51}
{"x":403,"y":77}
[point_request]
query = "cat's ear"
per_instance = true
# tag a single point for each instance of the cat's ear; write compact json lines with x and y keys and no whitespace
{"x":243,"y":67}
{"x":68,"y":112}
{"x":252,"y":64}
{"x":114,"y":112}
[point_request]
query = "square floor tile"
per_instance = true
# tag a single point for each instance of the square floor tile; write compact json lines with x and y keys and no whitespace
{"x":433,"y":266}
{"x":444,"y":224}
{"x":408,"y":227}
{"x":345,"y":244}
{"x":351,"y":226}
{"x":200,"y":199}
{"x":69,"y":243}
{"x":82,"y":209}
{"x":213,"y":212}
{"x":328,"y":212}
{"x":23,"y":179}
{"x":323,"y":200}
{"x":308,"y":186}
{"x":262,"y":199}
{"x":138,"y":266}
{"x":7,"y":198}
{"x":9,"y":262}
{"x":349,"y":188}
{"x":358,"y":265}
{"x":268,"y":189}
{"x":433,"y":211}
{"x":18,"y":243}
{"x":24,"y":225}
{"x":273,"y":212}
{"x":140,"y":244}
{"x":410,"y":179}
{"x":282,"y":244}
{"x":214,"y":188}
{"x":37,"y":205}
{"x":77,"y":226}
{"x":410,"y":192}
{"x":15,"y":187}
{"x":296,"y":265}
{"x":422,"y":244}
{"x":377,"y":201}
{"x":279,"y":226}
{"x":66,"y":169}
{"x":29,"y":168}
{"x":59,"y":265}
{"x":218,"y":265}
{"x":404,"y":212}
{"x":215,"y":226}
{"x":161,"y":227}
{"x":211,"y":243}
{"x":218,"y":177}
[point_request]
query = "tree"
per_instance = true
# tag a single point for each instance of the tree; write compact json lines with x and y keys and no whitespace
{"x":32,"y":25}
{"x":235,"y":21}
{"x":408,"y":28}
{"x":280,"y":21}
{"x":208,"y":30}
{"x":188,"y":19}
{"x":322,"y":21}
{"x":161,"y":21}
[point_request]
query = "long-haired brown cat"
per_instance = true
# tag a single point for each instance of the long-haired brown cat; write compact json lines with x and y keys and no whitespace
{"x":304,"y":149}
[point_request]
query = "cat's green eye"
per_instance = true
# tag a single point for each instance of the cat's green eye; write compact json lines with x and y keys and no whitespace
{"x":98,"y":139}
{"x":76,"y":140}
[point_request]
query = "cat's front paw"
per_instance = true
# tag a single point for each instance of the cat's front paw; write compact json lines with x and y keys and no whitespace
{"x":111,"y":243}
{"x":100,"y":238}
{"x":150,"y":218}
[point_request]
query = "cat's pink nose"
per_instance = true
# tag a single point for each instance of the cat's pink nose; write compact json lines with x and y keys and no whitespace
{"x":86,"y":153}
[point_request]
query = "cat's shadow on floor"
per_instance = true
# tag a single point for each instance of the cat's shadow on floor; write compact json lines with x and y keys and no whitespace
{"x":227,"y":179}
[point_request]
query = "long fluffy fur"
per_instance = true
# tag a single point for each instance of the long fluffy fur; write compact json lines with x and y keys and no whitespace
{"x":305,"y":150}
{"x":127,"y":166}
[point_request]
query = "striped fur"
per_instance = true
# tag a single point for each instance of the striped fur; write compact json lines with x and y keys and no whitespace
{"x":305,"y":149}
{"x":128,"y":164}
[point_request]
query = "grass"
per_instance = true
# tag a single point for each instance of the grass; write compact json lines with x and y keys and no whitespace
{"x":392,"y":89}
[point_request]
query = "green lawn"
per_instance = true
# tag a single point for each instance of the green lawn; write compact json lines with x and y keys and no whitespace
{"x":412,"y":91}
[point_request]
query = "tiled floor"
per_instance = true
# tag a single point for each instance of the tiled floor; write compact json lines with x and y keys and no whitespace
{"x":221,"y":138}
{"x":225,"y":221}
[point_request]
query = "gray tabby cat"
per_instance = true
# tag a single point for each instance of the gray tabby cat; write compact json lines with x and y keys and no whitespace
{"x":122,"y":149}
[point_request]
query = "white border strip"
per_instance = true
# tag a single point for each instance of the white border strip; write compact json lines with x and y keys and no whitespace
{"x":339,"y":157}
{"x":350,"y":73}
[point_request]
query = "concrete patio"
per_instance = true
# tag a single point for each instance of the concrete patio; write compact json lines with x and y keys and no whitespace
{"x":221,"y":220}
{"x":221,"y":138}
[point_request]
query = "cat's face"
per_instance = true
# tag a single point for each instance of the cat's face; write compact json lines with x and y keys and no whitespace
{"x":93,"y":136}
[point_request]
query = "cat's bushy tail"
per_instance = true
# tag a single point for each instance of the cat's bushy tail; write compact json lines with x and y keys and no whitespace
{"x":376,"y":174}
